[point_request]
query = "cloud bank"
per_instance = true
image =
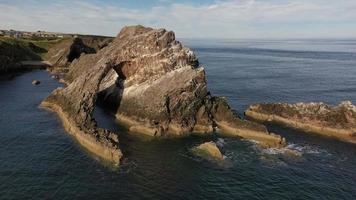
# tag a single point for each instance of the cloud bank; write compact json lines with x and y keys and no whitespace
{"x":219,"y":19}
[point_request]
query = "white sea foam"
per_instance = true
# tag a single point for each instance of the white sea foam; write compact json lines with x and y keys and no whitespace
{"x":296,"y":149}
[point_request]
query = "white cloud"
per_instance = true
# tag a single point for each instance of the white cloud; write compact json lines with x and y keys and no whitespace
{"x":222,"y":19}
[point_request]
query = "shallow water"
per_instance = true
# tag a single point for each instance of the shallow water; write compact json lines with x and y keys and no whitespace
{"x":40,"y":161}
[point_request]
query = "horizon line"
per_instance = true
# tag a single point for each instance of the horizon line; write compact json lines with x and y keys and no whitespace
{"x":203,"y":38}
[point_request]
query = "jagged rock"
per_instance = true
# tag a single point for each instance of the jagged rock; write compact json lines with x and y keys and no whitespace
{"x":74,"y":104}
{"x":209,"y":150}
{"x":338,"y":121}
{"x":96,"y":42}
{"x":62,"y":54}
{"x":154,"y":85}
{"x":36,"y":82}
{"x":80,"y":66}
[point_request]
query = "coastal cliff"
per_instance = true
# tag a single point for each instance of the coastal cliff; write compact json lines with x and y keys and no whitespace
{"x":154,"y":85}
{"x":338,"y":122}
{"x":18,"y":54}
{"x":12,"y":52}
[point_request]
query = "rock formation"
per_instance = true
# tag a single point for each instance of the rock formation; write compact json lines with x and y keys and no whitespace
{"x":62,"y":54}
{"x":154,"y":85}
{"x":338,"y":122}
{"x":209,"y":150}
{"x":74,"y":105}
{"x":36,"y":82}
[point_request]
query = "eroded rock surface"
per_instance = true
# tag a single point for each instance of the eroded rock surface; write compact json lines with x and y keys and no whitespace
{"x":154,"y":85}
{"x":338,"y":121}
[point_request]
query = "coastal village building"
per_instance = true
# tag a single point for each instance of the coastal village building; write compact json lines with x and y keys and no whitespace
{"x":23,"y":34}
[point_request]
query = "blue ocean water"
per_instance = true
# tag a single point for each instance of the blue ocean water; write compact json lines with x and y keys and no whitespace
{"x":279,"y":70}
{"x":38,"y":160}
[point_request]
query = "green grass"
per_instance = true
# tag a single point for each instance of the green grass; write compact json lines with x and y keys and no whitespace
{"x":38,"y":47}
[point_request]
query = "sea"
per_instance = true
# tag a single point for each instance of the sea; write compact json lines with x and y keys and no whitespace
{"x":39,"y":160}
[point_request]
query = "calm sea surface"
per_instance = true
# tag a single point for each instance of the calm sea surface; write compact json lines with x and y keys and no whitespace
{"x":38,"y":160}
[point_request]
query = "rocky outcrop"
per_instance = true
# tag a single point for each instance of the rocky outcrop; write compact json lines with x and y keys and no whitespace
{"x":338,"y":122}
{"x":79,"y":66}
{"x":74,"y":105}
{"x":96,"y":42}
{"x":208,"y":150}
{"x":154,"y":85}
{"x":36,"y":82}
{"x":62,"y":54}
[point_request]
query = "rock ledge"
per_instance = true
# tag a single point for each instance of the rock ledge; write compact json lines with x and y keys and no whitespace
{"x":338,"y":122}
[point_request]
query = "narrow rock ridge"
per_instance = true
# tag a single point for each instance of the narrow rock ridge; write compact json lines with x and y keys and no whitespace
{"x":338,"y":122}
{"x":154,"y":85}
{"x":75,"y":104}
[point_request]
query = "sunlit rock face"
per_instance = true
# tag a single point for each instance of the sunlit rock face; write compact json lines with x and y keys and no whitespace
{"x":209,"y":150}
{"x":154,"y":83}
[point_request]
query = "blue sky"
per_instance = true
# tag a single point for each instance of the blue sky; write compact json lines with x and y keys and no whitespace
{"x":189,"y":19}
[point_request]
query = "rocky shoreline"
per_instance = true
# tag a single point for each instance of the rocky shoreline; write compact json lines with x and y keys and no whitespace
{"x":338,"y":122}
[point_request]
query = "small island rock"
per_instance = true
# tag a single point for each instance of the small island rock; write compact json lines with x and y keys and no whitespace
{"x":209,"y":150}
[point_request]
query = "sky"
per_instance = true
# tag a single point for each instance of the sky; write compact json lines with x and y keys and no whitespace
{"x":226,"y":19}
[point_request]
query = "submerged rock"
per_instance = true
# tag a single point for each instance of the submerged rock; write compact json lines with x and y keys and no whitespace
{"x":154,"y":85}
{"x":36,"y":82}
{"x":55,"y":77}
{"x":209,"y":150}
{"x":338,"y":122}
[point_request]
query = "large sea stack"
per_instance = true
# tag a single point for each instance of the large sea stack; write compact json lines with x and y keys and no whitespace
{"x":154,"y":85}
{"x":337,"y":122}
